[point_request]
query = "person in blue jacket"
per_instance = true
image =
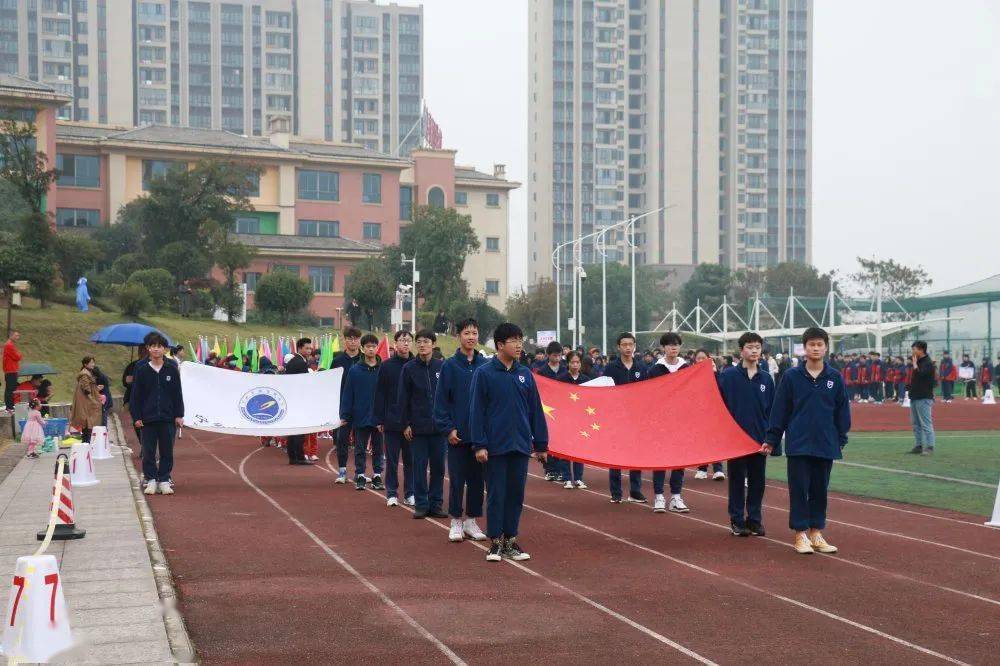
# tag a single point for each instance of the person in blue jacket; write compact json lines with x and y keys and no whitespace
{"x":748,"y":392}
{"x":624,"y":370}
{"x":417,"y":384}
{"x":346,"y":360}
{"x":506,"y":425}
{"x":386,"y":413}
{"x":356,"y":405}
{"x":156,"y":405}
{"x":451,"y":412}
{"x":813,"y":413}
{"x":571,"y":474}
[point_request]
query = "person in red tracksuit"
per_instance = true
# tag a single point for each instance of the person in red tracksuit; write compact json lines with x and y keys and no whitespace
{"x":862,"y":378}
{"x":986,"y":376}
{"x":848,"y":374}
{"x":875,"y":377}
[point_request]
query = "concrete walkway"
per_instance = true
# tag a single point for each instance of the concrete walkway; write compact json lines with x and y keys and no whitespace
{"x":115,"y":597}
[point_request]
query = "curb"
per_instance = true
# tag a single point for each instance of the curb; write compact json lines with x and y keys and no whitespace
{"x":177,"y":636}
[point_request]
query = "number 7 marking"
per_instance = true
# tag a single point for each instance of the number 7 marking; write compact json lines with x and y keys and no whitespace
{"x":53,"y":580}
{"x":19,"y":582}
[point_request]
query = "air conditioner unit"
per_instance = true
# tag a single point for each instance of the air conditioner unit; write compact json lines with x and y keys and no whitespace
{"x":62,"y":77}
{"x":148,"y":83}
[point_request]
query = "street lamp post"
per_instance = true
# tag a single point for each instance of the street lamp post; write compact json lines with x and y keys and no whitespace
{"x":413,"y":295}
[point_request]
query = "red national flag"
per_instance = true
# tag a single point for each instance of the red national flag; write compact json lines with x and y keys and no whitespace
{"x":432,"y":133}
{"x":383,"y":348}
{"x":678,"y":420}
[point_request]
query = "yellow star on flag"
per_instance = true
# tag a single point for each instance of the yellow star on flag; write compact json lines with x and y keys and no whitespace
{"x":548,"y":411}
{"x":574,"y":397}
{"x":584,"y":433}
{"x":595,"y":426}
{"x":591,"y":411}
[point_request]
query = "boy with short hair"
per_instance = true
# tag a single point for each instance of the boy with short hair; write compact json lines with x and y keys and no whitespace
{"x":748,"y":392}
{"x":387,"y":417}
{"x":813,"y":413}
{"x":553,"y":366}
{"x":626,"y":369}
{"x":346,"y":360}
{"x":507,"y":425}
{"x":157,"y":409}
{"x":670,"y":363}
{"x":356,"y":408}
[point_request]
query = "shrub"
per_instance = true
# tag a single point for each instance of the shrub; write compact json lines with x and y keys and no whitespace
{"x":125,"y":265}
{"x":133,"y":299}
{"x":282,"y":294}
{"x":159,"y":284}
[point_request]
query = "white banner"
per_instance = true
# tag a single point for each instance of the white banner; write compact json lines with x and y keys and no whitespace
{"x":243,"y":403}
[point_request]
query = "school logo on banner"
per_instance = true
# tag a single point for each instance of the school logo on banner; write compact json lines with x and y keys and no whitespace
{"x":262,"y":405}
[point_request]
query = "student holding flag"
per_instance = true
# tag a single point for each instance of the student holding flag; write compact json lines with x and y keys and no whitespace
{"x":626,"y":369}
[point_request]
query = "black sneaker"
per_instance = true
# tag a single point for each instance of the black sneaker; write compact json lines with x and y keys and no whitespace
{"x":917,"y":450}
{"x":616,"y":500}
{"x":359,"y":483}
{"x":512,"y":551}
{"x":496,"y":551}
{"x":739,"y":530}
{"x":928,"y":451}
{"x":377,"y":482}
{"x":638,"y":498}
{"x":756,"y":529}
{"x":549,"y":476}
{"x":437,"y":513}
{"x":419,"y":514}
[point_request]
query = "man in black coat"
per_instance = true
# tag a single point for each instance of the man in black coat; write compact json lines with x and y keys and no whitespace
{"x":298,"y":366}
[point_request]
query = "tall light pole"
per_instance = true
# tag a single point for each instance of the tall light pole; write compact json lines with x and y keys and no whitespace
{"x":602,"y":247}
{"x":413,"y":295}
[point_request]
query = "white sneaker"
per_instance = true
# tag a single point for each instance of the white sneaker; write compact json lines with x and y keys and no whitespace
{"x":166,"y":488}
{"x":471,"y":529}
{"x":455,"y":533}
{"x":341,"y":476}
{"x":314,"y":458}
{"x":150,"y":488}
{"x":581,"y":485}
{"x":677,"y":505}
{"x":569,"y":485}
{"x":410,"y":501}
{"x":392,"y":501}
{"x":701,"y":474}
{"x":719,"y":476}
{"x":659,"y":504}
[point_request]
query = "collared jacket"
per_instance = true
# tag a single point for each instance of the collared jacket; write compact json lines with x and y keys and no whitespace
{"x":813,"y":414}
{"x":545,"y":370}
{"x":505,"y":413}
{"x":417,"y":384}
{"x":386,"y":408}
{"x":921,"y":380}
{"x":156,"y":396}
{"x":660,"y":368}
{"x":581,"y":378}
{"x":358,"y":395}
{"x":748,"y":399}
{"x":622,"y":375}
{"x":451,"y":400}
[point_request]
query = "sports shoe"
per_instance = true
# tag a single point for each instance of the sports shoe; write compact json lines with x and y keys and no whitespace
{"x":637,"y":497}
{"x":719,"y":476}
{"x":701,"y":474}
{"x":436,"y":512}
{"x":150,"y":488}
{"x":677,"y":504}
{"x":802,"y":544}
{"x":455,"y":533}
{"x":569,"y":485}
{"x":820,"y":545}
{"x":659,"y":504}
{"x":549,"y":476}
{"x":927,"y":452}
{"x":410,"y":500}
{"x":756,"y":529}
{"x":471,"y":529}
{"x":581,"y":485}
{"x":166,"y":488}
{"x":341,"y":476}
{"x":739,"y":530}
{"x":377,"y":482}
{"x":616,"y":500}
{"x":419,"y":514}
{"x":359,"y":482}
{"x":392,"y":501}
{"x":917,"y":450}
{"x":495,"y":553}
{"x":512,"y":551}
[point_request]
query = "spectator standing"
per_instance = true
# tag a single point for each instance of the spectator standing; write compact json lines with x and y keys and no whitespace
{"x":921,"y":389}
{"x":11,"y":366}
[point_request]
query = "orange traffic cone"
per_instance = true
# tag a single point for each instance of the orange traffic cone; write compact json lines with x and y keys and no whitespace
{"x":65,"y":515}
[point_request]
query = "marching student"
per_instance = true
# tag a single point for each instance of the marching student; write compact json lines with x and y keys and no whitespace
{"x":552,"y":368}
{"x":346,"y":360}
{"x":626,"y":369}
{"x":356,"y":408}
{"x":948,"y":373}
{"x":670,"y":363}
{"x":387,"y":415}
{"x":299,"y":365}
{"x":813,"y":413}
{"x":157,"y":409}
{"x":748,"y":392}
{"x":571,"y":474}
{"x":451,"y":412}
{"x":417,"y":384}
{"x":506,"y":425}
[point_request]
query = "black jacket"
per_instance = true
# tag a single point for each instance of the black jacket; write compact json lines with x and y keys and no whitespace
{"x":922,"y":380}
{"x":298,"y":366}
{"x":386,"y":409}
{"x":417,"y":384}
{"x":156,"y":396}
{"x":622,"y":375}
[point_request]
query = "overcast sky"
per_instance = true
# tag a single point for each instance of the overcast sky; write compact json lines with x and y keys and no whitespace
{"x":906,"y":130}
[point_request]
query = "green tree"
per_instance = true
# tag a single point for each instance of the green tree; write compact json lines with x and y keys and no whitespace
{"x":619,"y":300}
{"x":282,"y":294}
{"x":15,"y":264}
{"x":158,"y":282}
{"x":76,"y":254}
{"x":372,"y":286}
{"x":745,"y":283}
{"x":133,"y":299}
{"x":12,"y":207}
{"x":183,"y":260}
{"x":534,"y":309}
{"x":708,"y":284}
{"x":231,"y":257}
{"x":804,"y":278}
{"x":898,"y":280}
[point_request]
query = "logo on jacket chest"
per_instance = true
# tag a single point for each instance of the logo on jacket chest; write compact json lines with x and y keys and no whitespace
{"x":637,"y":374}
{"x":168,"y":378}
{"x":520,"y":378}
{"x":262,"y":405}
{"x":829,"y":383}
{"x":763,"y":387}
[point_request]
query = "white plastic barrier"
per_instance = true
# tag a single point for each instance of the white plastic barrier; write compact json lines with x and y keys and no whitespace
{"x":37,"y":621}
{"x":100,"y":443}
{"x":81,"y":466}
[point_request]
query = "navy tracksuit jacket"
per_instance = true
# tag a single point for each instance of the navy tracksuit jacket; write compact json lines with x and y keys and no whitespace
{"x":749,"y":401}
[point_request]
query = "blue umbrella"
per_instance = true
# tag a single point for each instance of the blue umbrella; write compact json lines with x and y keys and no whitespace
{"x":127,"y":335}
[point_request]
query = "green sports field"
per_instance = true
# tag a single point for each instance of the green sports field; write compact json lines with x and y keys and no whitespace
{"x":959,"y":456}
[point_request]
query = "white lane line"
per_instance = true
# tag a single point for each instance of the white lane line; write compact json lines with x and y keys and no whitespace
{"x":839,"y":558}
{"x":452,"y":657}
{"x":750,"y":586}
{"x":905,"y":434}
{"x":936,"y":477}
{"x":579,"y":597}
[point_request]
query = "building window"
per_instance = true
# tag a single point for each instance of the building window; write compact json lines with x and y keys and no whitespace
{"x":78,"y":170}
{"x":492,"y":244}
{"x":435,"y":197}
{"x":493,"y":199}
{"x":78,"y":217}
{"x":405,"y":202}
{"x":285,"y":268}
{"x":461,"y":198}
{"x":247,"y":225}
{"x":321,"y":228}
{"x":372,"y":188}
{"x":372,"y":231}
{"x":321,"y":279}
{"x":253,"y":185}
{"x":319,"y":185}
{"x":250,"y":280}
{"x":493,"y":287}
{"x":157,"y":169}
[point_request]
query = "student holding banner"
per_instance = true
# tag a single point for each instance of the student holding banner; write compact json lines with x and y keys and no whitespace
{"x":626,"y":369}
{"x":299,"y":365}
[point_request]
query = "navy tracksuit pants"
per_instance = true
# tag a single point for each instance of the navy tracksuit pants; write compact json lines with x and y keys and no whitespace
{"x":506,"y":476}
{"x":465,"y":476}
{"x":157,"y":438}
{"x":808,"y":482}
{"x":428,"y":451}
{"x":361,"y":437}
{"x":396,"y":444}
{"x":343,"y":442}
{"x":745,"y":502}
{"x":615,"y":482}
{"x":676,"y":481}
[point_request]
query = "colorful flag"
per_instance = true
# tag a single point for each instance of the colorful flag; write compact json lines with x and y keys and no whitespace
{"x":432,"y":133}
{"x":238,"y":352}
{"x":194,"y":354}
{"x":215,"y":348}
{"x":336,"y":343}
{"x":383,"y":348}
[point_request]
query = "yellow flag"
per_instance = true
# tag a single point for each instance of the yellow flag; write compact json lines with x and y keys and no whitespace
{"x":335,"y":347}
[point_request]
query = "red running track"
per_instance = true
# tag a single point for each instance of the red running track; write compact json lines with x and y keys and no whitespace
{"x":274,"y":563}
{"x":958,"y":415}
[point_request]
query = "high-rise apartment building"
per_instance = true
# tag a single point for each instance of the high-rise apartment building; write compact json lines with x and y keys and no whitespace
{"x":636,"y":105}
{"x":343,"y":70}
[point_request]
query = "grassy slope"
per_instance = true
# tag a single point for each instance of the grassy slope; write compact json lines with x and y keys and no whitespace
{"x":60,"y":335}
{"x":974,"y":456}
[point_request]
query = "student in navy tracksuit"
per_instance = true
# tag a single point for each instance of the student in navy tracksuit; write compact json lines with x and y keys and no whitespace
{"x":346,"y":360}
{"x":748,"y":392}
{"x":572,"y":474}
{"x":626,"y":369}
{"x":553,"y":366}
{"x":156,"y":405}
{"x":669,"y":363}
{"x":386,"y":413}
{"x":812,"y":411}
{"x":417,"y":384}
{"x":451,"y":412}
{"x":507,"y":424}
{"x":356,"y":408}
